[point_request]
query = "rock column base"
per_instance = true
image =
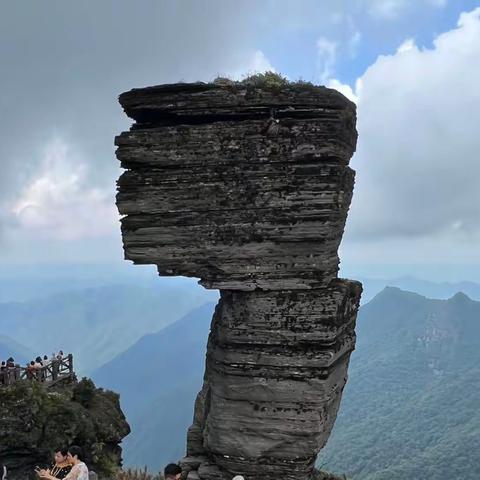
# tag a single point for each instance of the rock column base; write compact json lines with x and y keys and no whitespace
{"x":276,"y":367}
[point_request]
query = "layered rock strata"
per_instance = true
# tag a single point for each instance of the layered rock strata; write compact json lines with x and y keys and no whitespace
{"x":247,"y":187}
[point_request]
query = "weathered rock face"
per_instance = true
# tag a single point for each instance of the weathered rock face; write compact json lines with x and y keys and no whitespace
{"x":276,"y":367}
{"x":247,"y":187}
{"x":244,"y":188}
{"x":35,"y":421}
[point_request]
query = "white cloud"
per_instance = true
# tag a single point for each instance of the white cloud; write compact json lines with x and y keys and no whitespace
{"x":257,"y":62}
{"x":417,"y":160}
{"x":326,"y":57}
{"x":59,"y":203}
{"x":387,"y":9}
{"x":343,"y":88}
{"x":260,"y":63}
{"x":406,"y":46}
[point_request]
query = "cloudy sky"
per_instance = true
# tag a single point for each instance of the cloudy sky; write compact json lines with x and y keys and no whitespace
{"x":410,"y":65}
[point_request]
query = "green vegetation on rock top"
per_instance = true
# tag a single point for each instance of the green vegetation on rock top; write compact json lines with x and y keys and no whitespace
{"x":267,"y":80}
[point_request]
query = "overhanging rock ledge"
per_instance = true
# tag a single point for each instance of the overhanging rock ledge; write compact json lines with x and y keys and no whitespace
{"x":246,"y":185}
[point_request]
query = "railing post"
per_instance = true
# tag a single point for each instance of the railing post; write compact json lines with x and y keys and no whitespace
{"x":70,"y":364}
{"x":55,"y":368}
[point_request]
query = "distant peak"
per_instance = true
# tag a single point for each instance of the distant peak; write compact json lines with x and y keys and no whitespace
{"x":389,"y":290}
{"x":395,"y":292}
{"x":460,"y":297}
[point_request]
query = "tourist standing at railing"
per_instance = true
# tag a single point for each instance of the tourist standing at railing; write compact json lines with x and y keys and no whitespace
{"x":31,"y":371}
{"x":10,"y":371}
{"x":38,"y":369}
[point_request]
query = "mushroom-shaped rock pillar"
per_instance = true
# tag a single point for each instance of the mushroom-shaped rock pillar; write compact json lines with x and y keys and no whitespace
{"x":246,"y":185}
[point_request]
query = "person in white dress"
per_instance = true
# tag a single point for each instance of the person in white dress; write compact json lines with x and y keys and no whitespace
{"x":79,"y":470}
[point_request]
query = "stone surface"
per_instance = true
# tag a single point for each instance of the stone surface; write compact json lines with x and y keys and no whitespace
{"x":222,"y":198}
{"x":35,"y":421}
{"x":247,"y":187}
{"x":276,"y":367}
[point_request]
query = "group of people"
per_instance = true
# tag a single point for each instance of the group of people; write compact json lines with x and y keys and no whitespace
{"x":69,"y":464}
{"x":35,"y":369}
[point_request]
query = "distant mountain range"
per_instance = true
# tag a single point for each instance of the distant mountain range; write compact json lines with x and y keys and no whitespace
{"x":439,"y":290}
{"x":20,"y":283}
{"x":410,"y":409}
{"x":158,"y":379}
{"x":96,"y":324}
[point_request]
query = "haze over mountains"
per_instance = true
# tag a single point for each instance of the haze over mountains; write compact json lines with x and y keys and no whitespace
{"x":20,"y":283}
{"x":429,"y":289}
{"x":11,"y":348}
{"x":24,"y":283}
{"x":97,"y":323}
{"x":158,"y":379}
{"x":409,"y":409}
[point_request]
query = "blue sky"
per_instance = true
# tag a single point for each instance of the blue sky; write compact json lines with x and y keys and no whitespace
{"x":293,"y":51}
{"x":411,"y":67}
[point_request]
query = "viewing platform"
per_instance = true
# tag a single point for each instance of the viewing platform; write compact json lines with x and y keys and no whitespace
{"x":53,"y":372}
